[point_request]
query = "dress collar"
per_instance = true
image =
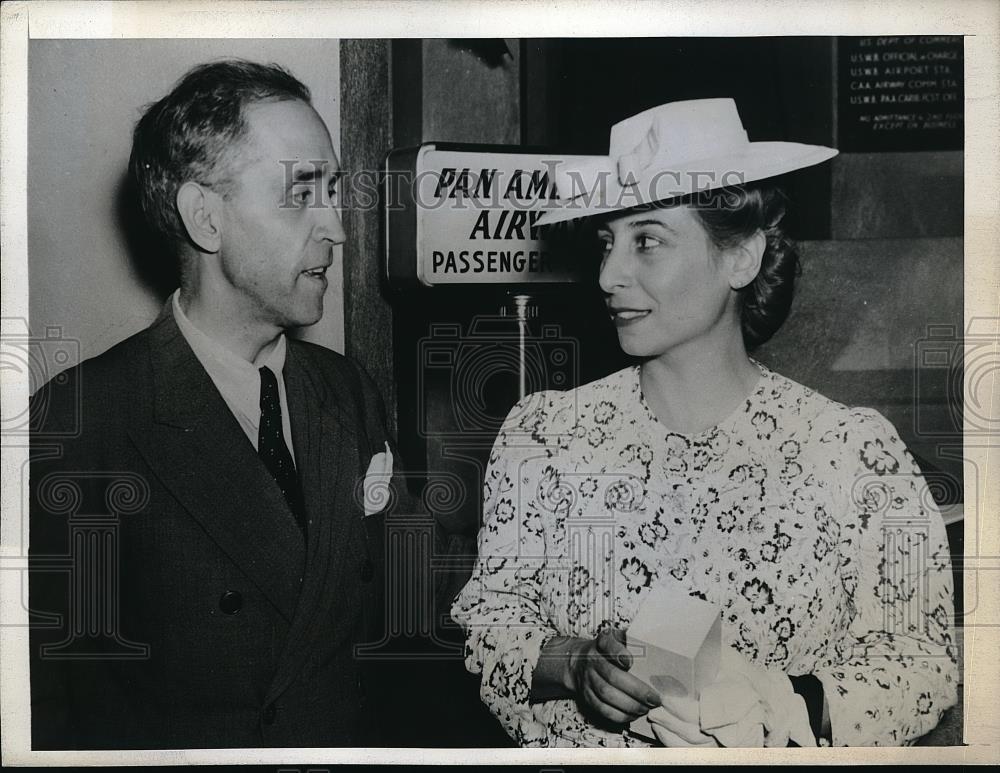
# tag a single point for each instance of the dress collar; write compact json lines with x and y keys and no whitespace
{"x":727,"y":423}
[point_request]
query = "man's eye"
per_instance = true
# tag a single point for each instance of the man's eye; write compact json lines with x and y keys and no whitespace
{"x":302,"y":197}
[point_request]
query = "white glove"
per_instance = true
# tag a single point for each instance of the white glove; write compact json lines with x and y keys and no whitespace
{"x":746,"y":706}
{"x":784,"y":715}
{"x":732,"y":712}
{"x":675,"y":723}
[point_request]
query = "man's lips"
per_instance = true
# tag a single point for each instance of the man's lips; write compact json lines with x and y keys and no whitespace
{"x":319,"y":272}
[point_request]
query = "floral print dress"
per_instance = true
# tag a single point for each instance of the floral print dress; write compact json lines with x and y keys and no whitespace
{"x":807,"y":522}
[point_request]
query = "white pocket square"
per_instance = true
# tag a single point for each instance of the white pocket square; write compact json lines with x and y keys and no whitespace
{"x":376,"y":485}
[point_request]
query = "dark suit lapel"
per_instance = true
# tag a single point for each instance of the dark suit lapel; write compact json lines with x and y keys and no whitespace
{"x":198,"y":450}
{"x":327,"y":459}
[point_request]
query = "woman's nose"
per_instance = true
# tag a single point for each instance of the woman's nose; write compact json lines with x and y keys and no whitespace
{"x":615,"y":269}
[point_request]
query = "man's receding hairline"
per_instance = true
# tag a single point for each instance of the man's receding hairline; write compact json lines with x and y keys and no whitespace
{"x":231,"y":160}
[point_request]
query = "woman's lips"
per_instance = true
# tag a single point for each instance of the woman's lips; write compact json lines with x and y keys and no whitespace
{"x":623,"y":317}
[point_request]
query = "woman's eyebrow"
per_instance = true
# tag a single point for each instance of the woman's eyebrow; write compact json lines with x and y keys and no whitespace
{"x":651,"y":221}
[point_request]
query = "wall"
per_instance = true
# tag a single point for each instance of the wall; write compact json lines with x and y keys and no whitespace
{"x":366,"y":120}
{"x":84,"y":97}
{"x":456,"y":91}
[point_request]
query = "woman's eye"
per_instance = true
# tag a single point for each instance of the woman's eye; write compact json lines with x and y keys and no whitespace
{"x":646,"y":242}
{"x":604,"y":245}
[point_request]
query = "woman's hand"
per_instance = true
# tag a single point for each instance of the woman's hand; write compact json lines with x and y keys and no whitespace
{"x":600,"y":679}
{"x":595,"y":672}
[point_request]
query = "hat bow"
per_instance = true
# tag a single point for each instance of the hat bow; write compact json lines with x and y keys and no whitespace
{"x":675,"y":135}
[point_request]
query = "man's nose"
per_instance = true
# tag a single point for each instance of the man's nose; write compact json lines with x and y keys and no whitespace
{"x":616,"y":269}
{"x":330,"y":227}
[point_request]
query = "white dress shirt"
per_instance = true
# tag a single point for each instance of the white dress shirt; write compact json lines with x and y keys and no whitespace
{"x":237,"y":379}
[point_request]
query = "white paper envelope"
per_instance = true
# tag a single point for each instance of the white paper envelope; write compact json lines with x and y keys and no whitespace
{"x":676,"y":642}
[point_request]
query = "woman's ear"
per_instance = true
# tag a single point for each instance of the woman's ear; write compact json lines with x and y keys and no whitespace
{"x":199,"y":210}
{"x":744,"y":260}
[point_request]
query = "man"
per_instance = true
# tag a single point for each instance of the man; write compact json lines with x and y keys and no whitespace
{"x":202,"y":563}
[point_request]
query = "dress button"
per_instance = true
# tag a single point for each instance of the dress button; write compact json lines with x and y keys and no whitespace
{"x":231,"y":602}
{"x":270,"y":712}
{"x":367,"y":571}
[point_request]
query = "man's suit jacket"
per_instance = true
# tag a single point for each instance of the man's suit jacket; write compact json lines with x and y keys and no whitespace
{"x":180,"y":605}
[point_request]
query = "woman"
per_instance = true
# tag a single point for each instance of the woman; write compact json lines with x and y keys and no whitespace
{"x":806,"y":522}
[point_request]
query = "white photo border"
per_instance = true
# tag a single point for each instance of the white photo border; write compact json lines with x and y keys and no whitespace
{"x":978,"y":20}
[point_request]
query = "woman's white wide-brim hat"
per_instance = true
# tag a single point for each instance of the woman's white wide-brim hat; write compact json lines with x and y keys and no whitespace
{"x":668,"y":151}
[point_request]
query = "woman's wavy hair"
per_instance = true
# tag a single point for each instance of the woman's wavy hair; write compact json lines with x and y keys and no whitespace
{"x":730,"y":216}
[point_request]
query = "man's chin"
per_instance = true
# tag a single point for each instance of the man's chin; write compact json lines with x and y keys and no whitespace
{"x":303,"y":319}
{"x":309,"y":322}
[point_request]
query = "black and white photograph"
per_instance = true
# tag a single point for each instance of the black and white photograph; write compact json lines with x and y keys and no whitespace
{"x":388,"y":381}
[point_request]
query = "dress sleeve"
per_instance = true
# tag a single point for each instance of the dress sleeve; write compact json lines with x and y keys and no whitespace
{"x":894,"y":671}
{"x":501,"y":607}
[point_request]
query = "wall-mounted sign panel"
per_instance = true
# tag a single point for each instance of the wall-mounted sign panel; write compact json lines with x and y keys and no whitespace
{"x":900,"y":93}
{"x":456,"y":216}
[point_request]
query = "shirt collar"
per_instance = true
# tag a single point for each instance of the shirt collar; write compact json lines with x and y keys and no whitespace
{"x":236,"y":378}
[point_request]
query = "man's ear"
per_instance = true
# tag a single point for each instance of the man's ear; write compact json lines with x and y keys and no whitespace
{"x":199,"y":210}
{"x":744,"y":260}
